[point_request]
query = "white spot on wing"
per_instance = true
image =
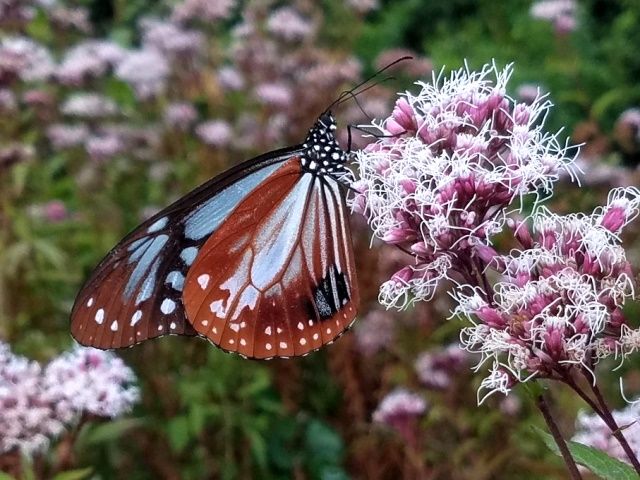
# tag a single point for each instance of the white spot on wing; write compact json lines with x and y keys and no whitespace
{"x":114,"y":326}
{"x":135,"y":318}
{"x":283,"y":344}
{"x":303,"y":341}
{"x":188,"y":255}
{"x":167,"y":306}
{"x":158,"y":225}
{"x":90,"y":302}
{"x":203,"y":280}
{"x":100,"y":316}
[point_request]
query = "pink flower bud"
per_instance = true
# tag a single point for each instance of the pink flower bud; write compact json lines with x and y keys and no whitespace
{"x":491,"y":317}
{"x":614,"y":219}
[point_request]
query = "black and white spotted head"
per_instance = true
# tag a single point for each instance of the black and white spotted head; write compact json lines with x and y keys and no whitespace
{"x":322,"y":154}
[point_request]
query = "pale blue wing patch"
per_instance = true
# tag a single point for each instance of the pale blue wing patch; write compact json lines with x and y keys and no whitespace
{"x":210,"y":215}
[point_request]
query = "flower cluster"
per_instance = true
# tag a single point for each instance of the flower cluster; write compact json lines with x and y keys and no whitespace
{"x":374,"y":332}
{"x":592,"y":431}
{"x":400,"y":410}
{"x":561,"y":13}
{"x":559,"y":302}
{"x":39,"y":403}
{"x":436,"y":369}
{"x":448,"y":164}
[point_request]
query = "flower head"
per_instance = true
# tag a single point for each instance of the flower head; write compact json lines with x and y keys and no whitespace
{"x":288,"y":24}
{"x":145,"y":70}
{"x":203,"y":10}
{"x":560,"y":300}
{"x":38,"y":404}
{"x":88,"y":60}
{"x":24,"y":58}
{"x":400,"y":411}
{"x":215,"y":133}
{"x":92,"y":381}
{"x":450,"y":162}
{"x":374,"y":332}
{"x":436,"y":369}
{"x":561,"y":13}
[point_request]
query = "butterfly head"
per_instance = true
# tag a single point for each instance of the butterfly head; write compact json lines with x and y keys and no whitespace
{"x":322,"y":154}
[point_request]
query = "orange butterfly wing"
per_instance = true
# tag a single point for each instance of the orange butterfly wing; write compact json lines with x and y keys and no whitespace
{"x":277,"y":279}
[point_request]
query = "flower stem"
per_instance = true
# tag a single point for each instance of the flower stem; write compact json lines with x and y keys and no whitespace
{"x":615,"y":429}
{"x":543,"y":405}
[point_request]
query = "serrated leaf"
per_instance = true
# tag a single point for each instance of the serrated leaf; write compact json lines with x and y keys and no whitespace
{"x":78,"y":474}
{"x":597,"y":461}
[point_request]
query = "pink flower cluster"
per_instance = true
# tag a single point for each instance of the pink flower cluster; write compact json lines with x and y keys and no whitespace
{"x":436,"y":369}
{"x":38,"y":403}
{"x":559,"y":302}
{"x":400,"y":410}
{"x":449,"y":162}
{"x":561,"y":13}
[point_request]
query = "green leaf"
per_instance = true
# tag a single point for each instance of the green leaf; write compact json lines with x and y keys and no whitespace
{"x":107,"y":432}
{"x":120,"y":92}
{"x":323,"y":443}
{"x":595,"y":460}
{"x":6,"y":476}
{"x":79,"y":474}
{"x":39,"y":28}
{"x":179,"y":433}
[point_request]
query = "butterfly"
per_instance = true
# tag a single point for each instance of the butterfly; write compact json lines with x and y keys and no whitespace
{"x":258,"y":260}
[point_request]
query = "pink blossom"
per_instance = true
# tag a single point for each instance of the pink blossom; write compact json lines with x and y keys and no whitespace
{"x":374,"y":332}
{"x":401,"y":410}
{"x":215,"y":133}
{"x":560,"y":299}
{"x":24,"y":58}
{"x":88,"y":60}
{"x":104,"y":147}
{"x":437,"y":368}
{"x":230,"y":78}
{"x":89,"y":105}
{"x":562,"y":13}
{"x":172,"y":39}
{"x":146,"y":71}
{"x":180,"y":115}
{"x":276,"y":94}
{"x":203,"y":10}
{"x":288,"y":24}
{"x":450,"y":163}
{"x":39,"y":404}
{"x":64,"y":136}
{"x":363,"y":6}
{"x":55,"y":211}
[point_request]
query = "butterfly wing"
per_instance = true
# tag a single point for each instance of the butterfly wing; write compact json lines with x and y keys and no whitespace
{"x":277,"y":279}
{"x":135,"y":292}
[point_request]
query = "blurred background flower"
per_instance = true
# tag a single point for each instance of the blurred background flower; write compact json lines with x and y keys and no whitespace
{"x":111,"y":110}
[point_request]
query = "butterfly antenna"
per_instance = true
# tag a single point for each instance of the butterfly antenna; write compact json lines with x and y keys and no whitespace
{"x":353,"y":92}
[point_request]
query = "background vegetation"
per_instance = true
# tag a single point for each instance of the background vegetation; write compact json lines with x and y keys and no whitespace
{"x":78,"y":172}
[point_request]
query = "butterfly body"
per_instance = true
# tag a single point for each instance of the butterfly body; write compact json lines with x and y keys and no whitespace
{"x":258,"y":260}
